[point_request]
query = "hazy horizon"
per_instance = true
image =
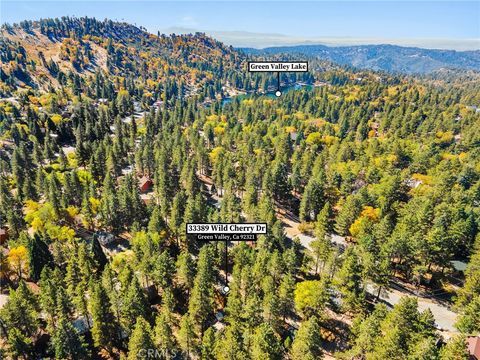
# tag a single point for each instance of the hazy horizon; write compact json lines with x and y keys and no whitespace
{"x":245,"y":39}
{"x":428,"y":24}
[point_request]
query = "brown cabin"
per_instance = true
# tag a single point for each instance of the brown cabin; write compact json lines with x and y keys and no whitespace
{"x":145,"y":184}
{"x":3,"y":235}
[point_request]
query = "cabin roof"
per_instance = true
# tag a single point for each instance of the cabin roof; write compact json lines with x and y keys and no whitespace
{"x":144,"y":180}
{"x":473,"y":346}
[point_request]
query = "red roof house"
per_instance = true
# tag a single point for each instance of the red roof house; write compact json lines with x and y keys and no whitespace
{"x":145,"y":184}
{"x":473,"y":346}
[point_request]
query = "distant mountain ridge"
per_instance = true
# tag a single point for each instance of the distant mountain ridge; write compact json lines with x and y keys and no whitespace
{"x":50,"y":53}
{"x":391,"y":58}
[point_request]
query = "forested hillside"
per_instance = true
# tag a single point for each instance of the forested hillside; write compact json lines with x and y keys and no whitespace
{"x":365,"y":180}
{"x":49,"y":53}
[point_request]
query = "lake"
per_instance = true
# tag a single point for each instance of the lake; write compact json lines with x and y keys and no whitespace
{"x":270,"y":94}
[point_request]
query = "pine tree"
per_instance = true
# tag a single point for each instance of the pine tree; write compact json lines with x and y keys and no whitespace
{"x":109,"y":204}
{"x":280,"y":185}
{"x":230,"y":205}
{"x":266,"y":210}
{"x":104,"y":329}
{"x":40,"y":180}
{"x":18,"y":344}
{"x":21,"y":311}
{"x":402,"y":328}
{"x":141,"y":342}
{"x":67,"y":343}
{"x":64,"y":306}
{"x":164,"y":339}
{"x":265,"y":344}
{"x":469,"y":322}
{"x":471,"y":288}
{"x":176,"y":215}
{"x":271,"y":303}
{"x":186,"y":336}
{"x":39,"y":256}
{"x":424,"y":349}
{"x":321,"y":246}
{"x":285,"y":291}
{"x":161,"y":184}
{"x":111,"y":284}
{"x":185,"y":270}
{"x":18,"y":168}
{"x":312,"y":198}
{"x":54,"y":193}
{"x":81,"y":283}
{"x":323,"y":225}
{"x":10,"y":209}
{"x":163,"y":269}
{"x":231,"y":345}
{"x":379,"y":270}
{"x":347,"y":215}
{"x":201,"y":303}
{"x":349,"y":281}
{"x":367,"y":332}
{"x":49,"y":287}
{"x":87,"y":212}
{"x":455,"y":349}
{"x":168,"y":301}
{"x":208,"y":345}
{"x":97,"y":255}
{"x":134,"y":305}
{"x":307,"y":344}
{"x":156,"y":223}
{"x":77,"y":281}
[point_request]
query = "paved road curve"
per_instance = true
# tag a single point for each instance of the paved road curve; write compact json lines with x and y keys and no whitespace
{"x":444,"y":317}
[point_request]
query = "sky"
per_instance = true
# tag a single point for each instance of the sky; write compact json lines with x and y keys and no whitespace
{"x":431,"y":24}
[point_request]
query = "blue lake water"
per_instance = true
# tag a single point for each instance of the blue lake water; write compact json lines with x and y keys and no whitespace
{"x":270,"y":94}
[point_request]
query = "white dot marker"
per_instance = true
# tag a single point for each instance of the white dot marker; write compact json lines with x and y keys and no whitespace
{"x":226,"y":289}
{"x":278,"y":93}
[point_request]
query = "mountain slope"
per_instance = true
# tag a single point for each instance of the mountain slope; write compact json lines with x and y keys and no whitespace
{"x":384,"y":57}
{"x":39,"y":54}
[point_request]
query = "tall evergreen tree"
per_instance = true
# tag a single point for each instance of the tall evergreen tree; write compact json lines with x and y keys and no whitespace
{"x":134,"y":304}
{"x":67,"y":343}
{"x":186,"y":336}
{"x":349,"y":282}
{"x":141,"y":342}
{"x":201,"y":304}
{"x":185,"y":270}
{"x":104,"y":329}
{"x":265,"y":344}
{"x":208,"y":345}
{"x":164,"y":339}
{"x":21,"y":311}
{"x":308,"y":342}
{"x":39,"y":256}
{"x":109,"y":204}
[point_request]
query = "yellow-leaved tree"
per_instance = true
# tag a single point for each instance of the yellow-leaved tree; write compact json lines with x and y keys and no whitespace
{"x":18,"y":261}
